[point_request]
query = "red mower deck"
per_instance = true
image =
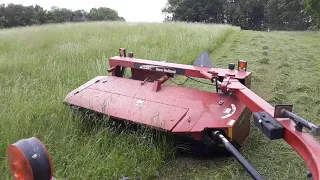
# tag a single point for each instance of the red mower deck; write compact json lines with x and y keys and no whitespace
{"x":173,"y":108}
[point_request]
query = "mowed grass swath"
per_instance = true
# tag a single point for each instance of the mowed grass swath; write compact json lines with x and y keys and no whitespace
{"x":40,"y":65}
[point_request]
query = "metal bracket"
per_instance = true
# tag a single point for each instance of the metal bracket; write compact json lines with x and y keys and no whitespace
{"x":221,"y":102}
{"x":278,"y":110}
{"x":285,"y":111}
{"x":269,"y":126}
{"x":146,"y":80}
{"x":315,"y":130}
{"x":298,"y":126}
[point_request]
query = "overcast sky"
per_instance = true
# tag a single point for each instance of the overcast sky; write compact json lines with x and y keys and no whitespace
{"x":131,"y":10}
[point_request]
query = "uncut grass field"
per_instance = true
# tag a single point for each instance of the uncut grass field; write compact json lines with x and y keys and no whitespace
{"x":40,"y":65}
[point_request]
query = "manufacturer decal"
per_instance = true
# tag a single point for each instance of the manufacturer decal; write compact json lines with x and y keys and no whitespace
{"x":159,"y":68}
{"x":229,"y":112}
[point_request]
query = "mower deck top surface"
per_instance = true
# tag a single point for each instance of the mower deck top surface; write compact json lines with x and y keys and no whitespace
{"x":173,"y":108}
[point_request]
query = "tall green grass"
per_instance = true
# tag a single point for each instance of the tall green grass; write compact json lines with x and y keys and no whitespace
{"x":40,"y":65}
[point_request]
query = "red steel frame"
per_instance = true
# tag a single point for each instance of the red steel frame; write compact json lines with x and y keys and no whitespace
{"x":192,"y":71}
{"x":303,"y":143}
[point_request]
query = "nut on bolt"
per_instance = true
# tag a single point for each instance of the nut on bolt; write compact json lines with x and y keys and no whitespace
{"x":122,"y":52}
{"x":231,"y":66}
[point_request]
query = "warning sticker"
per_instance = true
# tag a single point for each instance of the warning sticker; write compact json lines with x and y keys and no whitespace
{"x":229,"y":111}
{"x":231,"y":122}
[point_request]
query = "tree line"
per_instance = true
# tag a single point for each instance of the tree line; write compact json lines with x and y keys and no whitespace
{"x":13,"y":15}
{"x":248,"y":14}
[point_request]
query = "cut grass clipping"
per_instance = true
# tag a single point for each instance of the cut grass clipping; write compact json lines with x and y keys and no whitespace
{"x":40,"y":65}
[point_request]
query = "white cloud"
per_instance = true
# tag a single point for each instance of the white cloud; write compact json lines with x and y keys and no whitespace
{"x":131,"y":10}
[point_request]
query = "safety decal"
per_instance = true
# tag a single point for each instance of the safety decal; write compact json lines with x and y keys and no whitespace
{"x":229,"y":111}
{"x":231,"y":122}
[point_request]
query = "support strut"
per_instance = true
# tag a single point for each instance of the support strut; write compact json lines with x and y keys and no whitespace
{"x":253,"y":173}
{"x":300,"y":122}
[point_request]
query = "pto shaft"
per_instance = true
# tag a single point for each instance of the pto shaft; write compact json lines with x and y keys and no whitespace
{"x":253,"y":173}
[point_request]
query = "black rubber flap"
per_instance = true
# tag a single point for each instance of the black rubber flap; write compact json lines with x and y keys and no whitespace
{"x":203,"y":60}
{"x":269,"y":126}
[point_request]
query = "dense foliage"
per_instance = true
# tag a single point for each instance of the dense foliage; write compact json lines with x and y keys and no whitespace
{"x":313,"y":7}
{"x":248,"y":14}
{"x":13,"y":15}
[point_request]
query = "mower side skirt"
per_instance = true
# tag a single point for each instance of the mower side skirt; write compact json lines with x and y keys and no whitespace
{"x":146,"y":112}
{"x":172,"y":108}
{"x":84,"y":86}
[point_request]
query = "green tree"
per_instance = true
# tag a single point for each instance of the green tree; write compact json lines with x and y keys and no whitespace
{"x":273,"y":10}
{"x":286,"y":15}
{"x":62,"y":15}
{"x":313,"y":7}
{"x":79,"y":16}
{"x":295,"y":16}
{"x":103,"y":14}
{"x":17,"y":15}
{"x":51,"y":17}
{"x":206,"y":11}
{"x":3,"y":20}
{"x":12,"y":15}
{"x":29,"y":16}
{"x":248,"y":14}
{"x":41,"y":15}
